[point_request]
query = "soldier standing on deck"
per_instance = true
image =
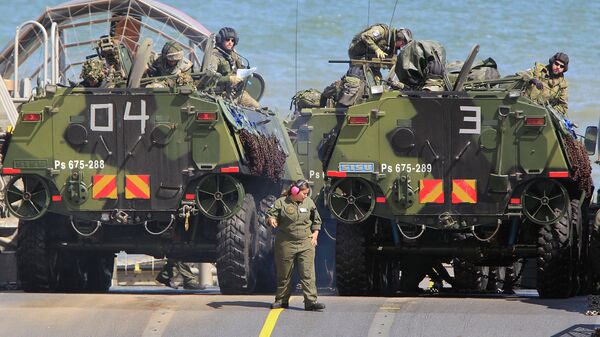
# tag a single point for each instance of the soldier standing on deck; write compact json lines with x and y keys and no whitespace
{"x":298,"y":222}
{"x":226,"y":61}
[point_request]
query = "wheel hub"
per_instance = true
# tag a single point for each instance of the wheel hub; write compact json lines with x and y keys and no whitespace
{"x":351,"y":200}
{"x":26,"y":196}
{"x":218,"y":196}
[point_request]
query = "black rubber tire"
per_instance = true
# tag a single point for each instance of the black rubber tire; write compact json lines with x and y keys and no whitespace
{"x":578,"y":277}
{"x":264,"y":242}
{"x":594,"y":263}
{"x":36,"y":264}
{"x":352,"y":274}
{"x":468,"y":277}
{"x":554,"y":273}
{"x":99,"y":271}
{"x":235,"y":252}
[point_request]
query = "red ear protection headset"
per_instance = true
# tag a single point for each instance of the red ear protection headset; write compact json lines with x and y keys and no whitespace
{"x":296,"y":186}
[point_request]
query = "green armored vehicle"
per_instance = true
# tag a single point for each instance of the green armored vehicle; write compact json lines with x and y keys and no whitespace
{"x":163,"y":170}
{"x":475,"y":175}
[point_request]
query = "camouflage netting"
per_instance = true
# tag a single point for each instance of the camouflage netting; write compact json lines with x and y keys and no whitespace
{"x":264,"y":154}
{"x":582,"y":168}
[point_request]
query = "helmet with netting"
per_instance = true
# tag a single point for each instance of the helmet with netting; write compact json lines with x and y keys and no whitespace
{"x":93,"y":70}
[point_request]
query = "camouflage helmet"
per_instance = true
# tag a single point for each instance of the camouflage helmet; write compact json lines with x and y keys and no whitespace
{"x":227,"y":33}
{"x":93,"y":70}
{"x":404,"y":34}
{"x":172,"y":51}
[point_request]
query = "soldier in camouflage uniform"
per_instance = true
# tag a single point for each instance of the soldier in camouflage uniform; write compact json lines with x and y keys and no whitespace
{"x":226,"y":61}
{"x":378,"y":41}
{"x":548,"y":83}
{"x":298,"y":222}
{"x":170,"y":62}
{"x":421,"y":66}
{"x":95,"y":74}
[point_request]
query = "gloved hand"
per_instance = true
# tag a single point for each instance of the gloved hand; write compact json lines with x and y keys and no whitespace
{"x":539,"y":85}
{"x":235,"y":80}
{"x":380,"y":54}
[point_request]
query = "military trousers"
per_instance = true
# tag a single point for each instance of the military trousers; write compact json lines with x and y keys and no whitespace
{"x":173,"y":268}
{"x":298,"y":254}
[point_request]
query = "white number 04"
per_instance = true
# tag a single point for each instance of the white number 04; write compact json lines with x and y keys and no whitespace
{"x":142,"y":117}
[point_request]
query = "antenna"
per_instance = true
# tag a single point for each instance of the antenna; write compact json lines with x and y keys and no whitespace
{"x":368,"y":12}
{"x":393,"y":13}
{"x":296,"y":48}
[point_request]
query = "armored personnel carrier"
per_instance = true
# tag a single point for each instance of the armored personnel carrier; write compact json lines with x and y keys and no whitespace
{"x":476,"y":175}
{"x":174,"y":171}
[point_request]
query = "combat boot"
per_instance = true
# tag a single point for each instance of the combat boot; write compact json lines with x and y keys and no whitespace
{"x":166,"y":281}
{"x":193,"y":286}
{"x":280,"y":304}
{"x":316,"y":306}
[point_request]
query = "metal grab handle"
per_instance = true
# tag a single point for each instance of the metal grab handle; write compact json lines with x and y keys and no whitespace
{"x":16,"y":54}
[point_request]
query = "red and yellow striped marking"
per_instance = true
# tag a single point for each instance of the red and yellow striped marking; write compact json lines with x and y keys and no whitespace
{"x":464,"y":191}
{"x":137,"y":186}
{"x":431,"y":191}
{"x":104,"y":187}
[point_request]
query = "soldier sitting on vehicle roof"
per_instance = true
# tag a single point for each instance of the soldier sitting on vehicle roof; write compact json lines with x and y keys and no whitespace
{"x":421,"y":65}
{"x":548,"y":83}
{"x":95,"y":74}
{"x":170,"y":62}
{"x":226,"y":61}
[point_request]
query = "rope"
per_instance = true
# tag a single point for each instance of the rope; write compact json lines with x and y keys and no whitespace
{"x":161,"y":232}
{"x":488,"y":238}
{"x":98,"y":225}
{"x":411,"y":237}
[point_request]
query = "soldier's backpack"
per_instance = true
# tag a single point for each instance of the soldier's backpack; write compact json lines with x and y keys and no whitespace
{"x":309,"y":98}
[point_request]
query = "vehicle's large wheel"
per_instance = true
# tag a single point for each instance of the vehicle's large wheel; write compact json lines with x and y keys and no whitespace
{"x":578,"y":275}
{"x":99,"y":271}
{"x":352,"y":274}
{"x":554,"y":272}
{"x":264,"y":243}
{"x":469,"y":277}
{"x":594,"y":263}
{"x":36,"y":263}
{"x":235,"y":251}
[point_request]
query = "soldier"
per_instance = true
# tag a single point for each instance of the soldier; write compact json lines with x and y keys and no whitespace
{"x":421,"y":65}
{"x":226,"y":61}
{"x":170,"y":62}
{"x":94,"y":73}
{"x":548,"y":83}
{"x":173,"y":268}
{"x":378,"y":41}
{"x":298,"y":221}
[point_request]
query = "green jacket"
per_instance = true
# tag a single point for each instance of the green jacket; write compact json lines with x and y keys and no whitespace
{"x":365,"y":43}
{"x":555,"y":89}
{"x":225,"y":64}
{"x":295,"y":221}
{"x":156,"y":67}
